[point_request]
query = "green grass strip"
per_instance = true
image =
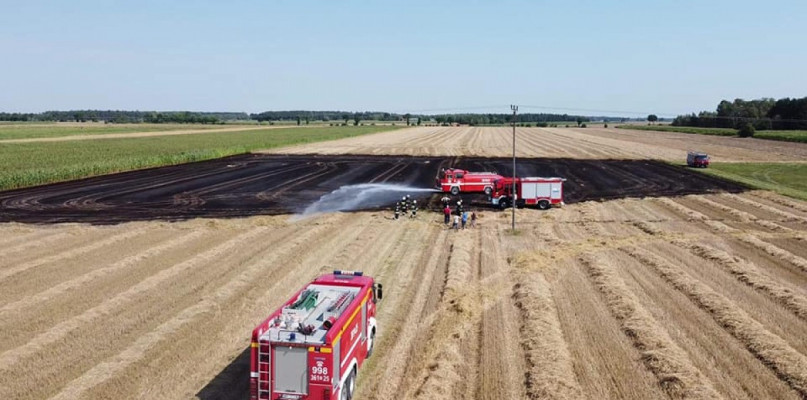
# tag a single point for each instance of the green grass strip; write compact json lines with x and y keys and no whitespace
{"x":784,"y":136}
{"x":28,"y":131}
{"x":789,"y":179}
{"x":682,"y":129}
{"x":30,"y":164}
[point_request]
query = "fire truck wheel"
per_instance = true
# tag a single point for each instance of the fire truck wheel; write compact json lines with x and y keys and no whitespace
{"x":372,"y":344}
{"x":543,"y":204}
{"x":504,"y":204}
{"x":488,"y":191}
{"x":455,"y":190}
{"x":352,"y":385}
{"x":345,"y":391}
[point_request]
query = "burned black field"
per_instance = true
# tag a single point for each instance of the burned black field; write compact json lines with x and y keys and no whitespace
{"x":248,"y":185}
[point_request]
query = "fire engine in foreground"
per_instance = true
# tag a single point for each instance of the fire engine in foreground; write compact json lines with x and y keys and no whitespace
{"x":313,"y":346}
{"x":540,"y":192}
{"x":456,"y":181}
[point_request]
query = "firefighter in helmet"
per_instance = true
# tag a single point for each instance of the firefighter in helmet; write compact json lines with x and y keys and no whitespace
{"x":414,"y":209}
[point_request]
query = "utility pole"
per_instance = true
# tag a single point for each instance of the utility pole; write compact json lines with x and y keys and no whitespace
{"x":515,"y":196}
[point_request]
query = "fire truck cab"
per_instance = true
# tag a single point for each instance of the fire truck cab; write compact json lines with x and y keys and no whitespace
{"x":456,"y":181}
{"x":541,"y":192}
{"x":314,"y":345}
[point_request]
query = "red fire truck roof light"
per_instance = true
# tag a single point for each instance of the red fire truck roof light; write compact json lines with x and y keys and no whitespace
{"x":351,"y":273}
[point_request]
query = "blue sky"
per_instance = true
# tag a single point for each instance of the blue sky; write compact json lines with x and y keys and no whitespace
{"x":603,"y":57}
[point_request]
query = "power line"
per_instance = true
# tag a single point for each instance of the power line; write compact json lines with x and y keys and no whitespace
{"x":597,"y":111}
{"x":493,"y":107}
{"x":515,"y":196}
{"x":429,"y":110}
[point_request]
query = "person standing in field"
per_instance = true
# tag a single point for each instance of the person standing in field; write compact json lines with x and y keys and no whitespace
{"x":414,"y":209}
{"x":473,"y":219}
{"x":447,"y":214}
{"x":456,"y":226}
{"x":464,"y":218}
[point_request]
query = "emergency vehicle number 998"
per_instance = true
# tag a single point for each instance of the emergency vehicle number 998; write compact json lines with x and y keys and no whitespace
{"x":319,"y":374}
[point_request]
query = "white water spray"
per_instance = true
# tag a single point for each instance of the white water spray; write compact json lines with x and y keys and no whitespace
{"x":365,"y":195}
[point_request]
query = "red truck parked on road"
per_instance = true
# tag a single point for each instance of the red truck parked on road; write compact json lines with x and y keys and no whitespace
{"x":540,"y":192}
{"x":313,"y":346}
{"x":456,"y":181}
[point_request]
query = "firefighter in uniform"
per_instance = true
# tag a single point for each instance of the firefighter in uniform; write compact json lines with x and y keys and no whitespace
{"x":404,"y":204}
{"x":459,"y":207}
{"x":397,"y":209}
{"x":414,"y":209}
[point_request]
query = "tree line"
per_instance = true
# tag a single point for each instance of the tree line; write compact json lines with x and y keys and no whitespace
{"x":300,"y":116}
{"x":413,"y":119}
{"x":326,"y":116}
{"x":499,"y":119}
{"x":760,"y":114}
{"x":118,"y":116}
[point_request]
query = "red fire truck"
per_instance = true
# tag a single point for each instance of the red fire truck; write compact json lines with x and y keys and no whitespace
{"x":455,"y":181}
{"x":313,"y":346}
{"x":697,"y":159}
{"x":540,"y":192}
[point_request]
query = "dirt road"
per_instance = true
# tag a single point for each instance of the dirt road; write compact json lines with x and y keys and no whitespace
{"x":578,"y":143}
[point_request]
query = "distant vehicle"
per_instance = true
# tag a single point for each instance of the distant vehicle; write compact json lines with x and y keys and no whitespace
{"x":540,"y":192}
{"x":697,"y":159}
{"x":313,"y":346}
{"x":456,"y":181}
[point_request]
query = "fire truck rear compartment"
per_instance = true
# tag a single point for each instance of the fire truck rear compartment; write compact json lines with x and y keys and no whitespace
{"x":291,"y":369}
{"x":308,"y":318}
{"x":302,"y":324}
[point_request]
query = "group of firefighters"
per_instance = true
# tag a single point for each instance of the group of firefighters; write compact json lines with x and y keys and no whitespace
{"x":407,"y":204}
{"x":461,"y":215}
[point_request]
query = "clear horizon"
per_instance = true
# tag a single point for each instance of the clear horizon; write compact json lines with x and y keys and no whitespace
{"x":583,"y":57}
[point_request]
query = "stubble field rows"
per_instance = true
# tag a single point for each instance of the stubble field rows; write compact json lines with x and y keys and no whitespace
{"x":579,"y":143}
{"x":687,"y":296}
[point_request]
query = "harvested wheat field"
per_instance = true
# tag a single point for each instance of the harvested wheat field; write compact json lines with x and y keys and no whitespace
{"x":669,"y":295}
{"x":697,"y":296}
{"x":587,"y":143}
